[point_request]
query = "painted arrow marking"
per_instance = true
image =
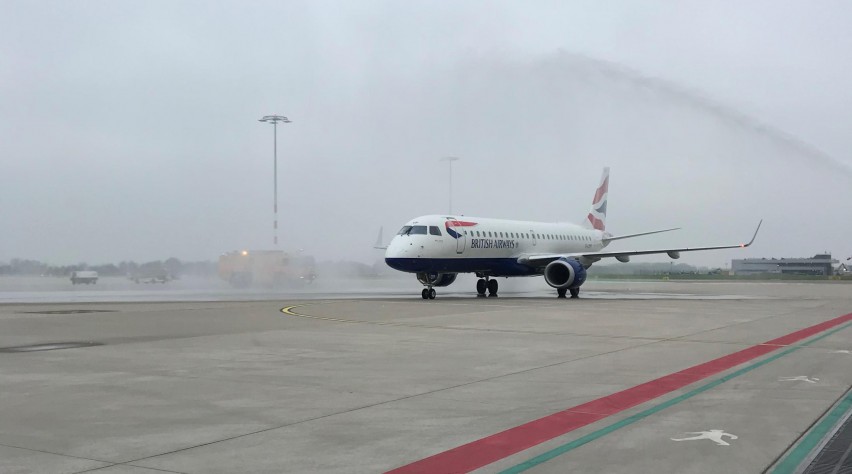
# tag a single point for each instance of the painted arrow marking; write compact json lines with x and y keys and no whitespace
{"x":713,"y":435}
{"x":800,"y":378}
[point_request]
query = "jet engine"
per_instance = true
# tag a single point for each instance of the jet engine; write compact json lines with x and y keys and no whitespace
{"x":437,"y":279}
{"x":565,"y":273}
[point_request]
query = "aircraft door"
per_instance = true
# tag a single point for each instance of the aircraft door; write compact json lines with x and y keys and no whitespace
{"x":458,"y":233}
{"x":532,"y":234}
{"x":461,"y":242}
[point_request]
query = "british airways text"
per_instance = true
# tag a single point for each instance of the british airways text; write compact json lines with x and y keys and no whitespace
{"x":492,"y":244}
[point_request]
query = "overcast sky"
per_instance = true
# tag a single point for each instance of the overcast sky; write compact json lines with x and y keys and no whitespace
{"x":128,"y":130}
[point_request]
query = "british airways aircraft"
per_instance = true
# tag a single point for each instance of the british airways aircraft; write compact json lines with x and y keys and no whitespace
{"x":437,"y":248}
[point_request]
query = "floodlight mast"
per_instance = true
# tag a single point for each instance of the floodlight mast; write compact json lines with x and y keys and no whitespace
{"x":451,"y":159}
{"x":274,"y":119}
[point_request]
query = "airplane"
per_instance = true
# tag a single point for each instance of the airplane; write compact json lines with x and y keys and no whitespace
{"x":436,"y":248}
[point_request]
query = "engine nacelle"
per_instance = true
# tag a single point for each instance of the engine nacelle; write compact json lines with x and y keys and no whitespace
{"x":565,"y":273}
{"x":437,"y":279}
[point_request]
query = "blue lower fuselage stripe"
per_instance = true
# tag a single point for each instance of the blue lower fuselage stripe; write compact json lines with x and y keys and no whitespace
{"x":491,"y":266}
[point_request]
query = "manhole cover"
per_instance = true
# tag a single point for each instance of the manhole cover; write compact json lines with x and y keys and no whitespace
{"x":69,"y":311}
{"x":51,"y":346}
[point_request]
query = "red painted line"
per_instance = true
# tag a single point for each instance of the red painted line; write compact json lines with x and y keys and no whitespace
{"x":482,"y":452}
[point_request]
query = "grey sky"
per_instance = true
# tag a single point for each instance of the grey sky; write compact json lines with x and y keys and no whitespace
{"x":128,"y":130}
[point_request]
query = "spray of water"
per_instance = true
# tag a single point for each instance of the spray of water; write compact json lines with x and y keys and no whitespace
{"x":585,"y":65}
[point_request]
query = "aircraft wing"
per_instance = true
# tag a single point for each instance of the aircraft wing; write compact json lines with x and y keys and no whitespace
{"x":544,"y":259}
{"x":630,"y":236}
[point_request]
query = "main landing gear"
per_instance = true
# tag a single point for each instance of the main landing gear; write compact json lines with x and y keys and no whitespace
{"x":486,"y":284}
{"x":428,"y":293}
{"x":575,"y":292}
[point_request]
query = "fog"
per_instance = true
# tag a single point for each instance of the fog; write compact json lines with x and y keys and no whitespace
{"x":128,"y":130}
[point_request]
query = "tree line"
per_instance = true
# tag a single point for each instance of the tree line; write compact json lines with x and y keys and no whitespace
{"x":172,"y":267}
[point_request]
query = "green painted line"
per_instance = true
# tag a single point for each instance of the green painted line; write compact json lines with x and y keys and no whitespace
{"x":560,"y":450}
{"x":797,"y":455}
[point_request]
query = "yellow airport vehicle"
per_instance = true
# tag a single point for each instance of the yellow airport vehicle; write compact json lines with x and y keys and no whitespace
{"x":265,"y":268}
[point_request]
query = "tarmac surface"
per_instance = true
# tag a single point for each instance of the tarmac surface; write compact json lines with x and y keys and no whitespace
{"x":375,"y":382}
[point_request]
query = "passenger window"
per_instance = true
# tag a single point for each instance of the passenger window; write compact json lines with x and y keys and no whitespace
{"x":489,"y":234}
{"x":434,"y":230}
{"x":418,"y":230}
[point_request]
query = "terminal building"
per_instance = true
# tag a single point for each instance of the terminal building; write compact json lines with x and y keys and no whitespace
{"x":820,"y":264}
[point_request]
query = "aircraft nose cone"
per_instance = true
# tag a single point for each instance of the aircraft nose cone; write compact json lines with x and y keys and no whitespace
{"x":398,"y":254}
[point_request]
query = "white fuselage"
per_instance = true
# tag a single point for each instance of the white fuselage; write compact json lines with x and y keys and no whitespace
{"x":444,"y":244}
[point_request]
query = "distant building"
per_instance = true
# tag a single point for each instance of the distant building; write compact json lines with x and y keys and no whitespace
{"x":821,"y":264}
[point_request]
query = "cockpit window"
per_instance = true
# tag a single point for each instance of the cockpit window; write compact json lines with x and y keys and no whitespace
{"x":434,"y":230}
{"x":405,"y":230}
{"x":417,"y":230}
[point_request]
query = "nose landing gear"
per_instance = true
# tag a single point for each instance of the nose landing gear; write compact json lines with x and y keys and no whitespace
{"x":428,"y":293}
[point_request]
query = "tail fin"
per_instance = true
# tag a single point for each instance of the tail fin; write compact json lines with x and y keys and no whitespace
{"x":597,"y":214}
{"x":379,"y":245}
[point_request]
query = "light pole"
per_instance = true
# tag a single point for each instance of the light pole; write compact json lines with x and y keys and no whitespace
{"x":451,"y":159}
{"x":274,"y":119}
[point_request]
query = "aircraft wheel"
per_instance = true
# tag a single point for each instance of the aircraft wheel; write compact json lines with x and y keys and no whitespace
{"x":575,"y":293}
{"x":492,"y":287}
{"x":481,"y":287}
{"x":560,"y":293}
{"x":432,"y":294}
{"x":425,"y":294}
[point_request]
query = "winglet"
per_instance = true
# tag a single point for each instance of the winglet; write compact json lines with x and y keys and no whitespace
{"x":378,"y":244}
{"x":754,"y":236}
